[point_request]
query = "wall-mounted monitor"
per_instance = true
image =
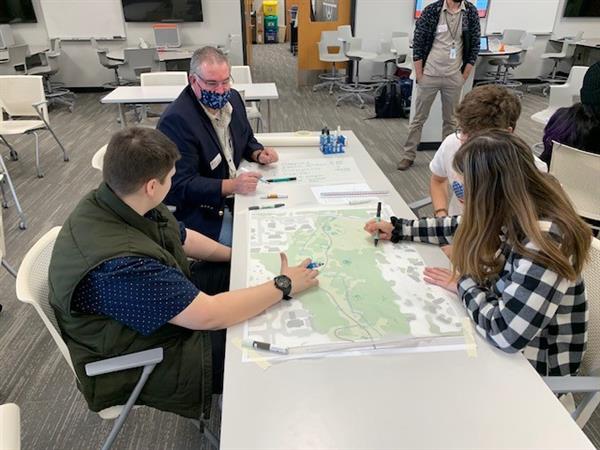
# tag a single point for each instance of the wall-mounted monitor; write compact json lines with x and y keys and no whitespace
{"x":162,"y":10}
{"x":482,"y":6}
{"x":17,"y":11}
{"x":582,"y":8}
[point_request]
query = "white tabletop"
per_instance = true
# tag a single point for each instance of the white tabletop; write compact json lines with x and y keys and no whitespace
{"x":166,"y":94}
{"x":386,"y":401}
{"x":163,"y":55}
{"x":508,"y":50}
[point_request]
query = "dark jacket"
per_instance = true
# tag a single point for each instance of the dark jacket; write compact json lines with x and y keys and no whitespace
{"x":426,"y":28}
{"x":100,"y":228}
{"x":196,"y":189}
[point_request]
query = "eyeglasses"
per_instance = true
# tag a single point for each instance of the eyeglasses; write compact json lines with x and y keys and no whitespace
{"x":214,"y":83}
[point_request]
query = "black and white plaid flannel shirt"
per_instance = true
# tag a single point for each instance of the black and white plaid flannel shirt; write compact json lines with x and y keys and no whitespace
{"x":528,"y":308}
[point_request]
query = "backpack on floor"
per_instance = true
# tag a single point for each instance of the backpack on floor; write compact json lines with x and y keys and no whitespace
{"x":388,"y":101}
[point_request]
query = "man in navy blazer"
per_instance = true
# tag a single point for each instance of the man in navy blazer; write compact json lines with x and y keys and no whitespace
{"x":208,"y":123}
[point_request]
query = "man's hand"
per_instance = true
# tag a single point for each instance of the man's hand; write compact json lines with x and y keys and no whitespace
{"x":268,"y":156}
{"x":441,"y":277}
{"x":245,"y":182}
{"x":385,"y":229}
{"x":302,"y":277}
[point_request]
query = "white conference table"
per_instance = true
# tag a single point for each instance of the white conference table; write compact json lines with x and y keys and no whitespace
{"x":411,"y":401}
{"x":166,"y":94}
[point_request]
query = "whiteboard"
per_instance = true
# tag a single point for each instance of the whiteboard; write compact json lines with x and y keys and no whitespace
{"x":533,"y":16}
{"x":84,"y":19}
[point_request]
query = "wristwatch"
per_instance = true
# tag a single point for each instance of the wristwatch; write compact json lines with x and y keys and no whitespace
{"x":284,"y":284}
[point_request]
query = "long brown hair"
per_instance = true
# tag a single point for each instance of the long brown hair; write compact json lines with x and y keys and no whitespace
{"x":504,"y":191}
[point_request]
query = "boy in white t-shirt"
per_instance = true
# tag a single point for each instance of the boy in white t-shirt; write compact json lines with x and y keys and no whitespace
{"x":485,"y":107}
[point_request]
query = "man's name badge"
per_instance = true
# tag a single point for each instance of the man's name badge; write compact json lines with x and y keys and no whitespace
{"x":442,"y":28}
{"x":215,"y":162}
{"x":453,"y":53}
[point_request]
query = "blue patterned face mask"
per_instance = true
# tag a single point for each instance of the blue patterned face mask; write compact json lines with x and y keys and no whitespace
{"x":214,"y":100}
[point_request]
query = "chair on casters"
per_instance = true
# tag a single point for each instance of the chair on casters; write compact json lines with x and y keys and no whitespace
{"x":509,"y":37}
{"x":243,"y":74}
{"x":353,"y":51}
{"x":138,"y":61}
{"x":588,"y":383}
{"x":109,"y":63}
{"x":562,"y":95}
{"x":333,"y":79}
{"x":514,"y":61}
{"x":566,"y":53}
{"x":23,"y":96}
{"x":385,"y":56}
{"x":32,"y":288}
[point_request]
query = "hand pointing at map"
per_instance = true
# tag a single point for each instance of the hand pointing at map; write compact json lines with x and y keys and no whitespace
{"x":385,"y":229}
{"x":302,"y":277}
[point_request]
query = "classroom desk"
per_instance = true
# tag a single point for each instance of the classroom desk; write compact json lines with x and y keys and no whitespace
{"x":163,"y":55}
{"x":166,"y":94}
{"x":385,"y":401}
{"x":587,"y":51}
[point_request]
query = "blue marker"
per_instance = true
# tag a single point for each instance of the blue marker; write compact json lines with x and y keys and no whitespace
{"x":314,"y":265}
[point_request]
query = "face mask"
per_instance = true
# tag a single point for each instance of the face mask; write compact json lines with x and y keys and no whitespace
{"x":214,"y":100}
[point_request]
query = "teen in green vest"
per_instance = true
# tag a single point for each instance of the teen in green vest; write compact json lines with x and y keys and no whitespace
{"x":121,"y":282}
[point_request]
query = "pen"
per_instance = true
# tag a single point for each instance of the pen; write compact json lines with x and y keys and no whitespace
{"x":378,"y":217}
{"x":278,"y":180}
{"x":265,"y":346}
{"x":314,"y":265}
{"x":243,"y":169}
{"x":273,"y":196}
{"x":276,"y":205}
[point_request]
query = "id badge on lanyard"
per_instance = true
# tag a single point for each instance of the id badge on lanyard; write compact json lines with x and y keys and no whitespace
{"x":453,"y":52}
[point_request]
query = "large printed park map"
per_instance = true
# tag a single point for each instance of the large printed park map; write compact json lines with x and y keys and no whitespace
{"x":367,"y":295}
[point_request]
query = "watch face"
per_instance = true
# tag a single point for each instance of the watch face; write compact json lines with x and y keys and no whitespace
{"x":283,"y":282}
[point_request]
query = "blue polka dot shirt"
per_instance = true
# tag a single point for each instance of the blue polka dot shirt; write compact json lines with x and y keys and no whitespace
{"x":139,"y":292}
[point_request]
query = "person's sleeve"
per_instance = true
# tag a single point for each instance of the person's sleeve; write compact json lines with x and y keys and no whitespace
{"x":182,"y":231}
{"x":139,"y":292}
{"x":475,"y":28}
{"x":419,"y":37}
{"x":433,"y":230}
{"x":438,"y":163}
{"x":189,"y":187}
{"x":529,"y":301}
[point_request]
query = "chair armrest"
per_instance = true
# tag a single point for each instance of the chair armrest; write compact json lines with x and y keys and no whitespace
{"x":415,"y":206}
{"x":131,"y":361}
{"x":38,"y":104}
{"x":563,"y":385}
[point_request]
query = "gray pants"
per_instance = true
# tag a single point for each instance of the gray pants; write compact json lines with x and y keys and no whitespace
{"x":450,"y":88}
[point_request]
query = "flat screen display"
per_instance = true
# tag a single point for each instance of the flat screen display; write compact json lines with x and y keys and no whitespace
{"x":582,"y":8}
{"x":482,"y":6}
{"x":162,"y":10}
{"x":17,"y":11}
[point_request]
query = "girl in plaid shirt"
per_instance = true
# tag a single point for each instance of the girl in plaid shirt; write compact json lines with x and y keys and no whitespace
{"x":519,"y":249}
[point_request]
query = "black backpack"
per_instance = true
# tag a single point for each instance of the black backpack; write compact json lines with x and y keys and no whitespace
{"x":389,"y":101}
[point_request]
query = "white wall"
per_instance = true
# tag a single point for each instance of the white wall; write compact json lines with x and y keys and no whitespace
{"x":377,"y":19}
{"x":79,"y":66}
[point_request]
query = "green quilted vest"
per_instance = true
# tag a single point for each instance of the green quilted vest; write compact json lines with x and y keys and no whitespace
{"x":100,"y":228}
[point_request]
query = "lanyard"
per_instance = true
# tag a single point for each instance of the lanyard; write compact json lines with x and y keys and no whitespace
{"x":454,"y":33}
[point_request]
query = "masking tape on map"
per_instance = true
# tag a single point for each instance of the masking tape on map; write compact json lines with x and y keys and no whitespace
{"x":253,"y":355}
{"x":470,"y":345}
{"x":291,"y":140}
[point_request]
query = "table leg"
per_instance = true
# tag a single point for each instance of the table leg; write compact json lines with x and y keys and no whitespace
{"x":269,"y":116}
{"x":122,"y":115}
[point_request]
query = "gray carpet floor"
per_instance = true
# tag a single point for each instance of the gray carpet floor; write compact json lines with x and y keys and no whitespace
{"x":32,"y":371}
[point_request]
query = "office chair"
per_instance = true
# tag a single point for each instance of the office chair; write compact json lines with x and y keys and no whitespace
{"x":45,"y":64}
{"x":577,"y":171}
{"x":242,"y":74}
{"x":353,"y":51}
{"x":385,"y":56}
{"x":509,"y":37}
{"x":23,"y":96}
{"x":170,"y":78}
{"x":512,"y":62}
{"x":566,"y":53}
{"x":562,"y":95}
{"x":15,"y":65}
{"x":587,"y":384}
{"x":107,"y":62}
{"x":5,"y":178}
{"x":333,"y":79}
{"x":138,"y":61}
{"x":401,"y":49}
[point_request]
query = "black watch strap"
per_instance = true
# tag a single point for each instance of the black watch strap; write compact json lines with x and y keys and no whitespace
{"x":284,"y":284}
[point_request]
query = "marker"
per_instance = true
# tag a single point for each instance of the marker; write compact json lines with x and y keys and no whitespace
{"x":378,"y":217}
{"x":314,"y":265}
{"x":359,"y":201}
{"x":279,"y":180}
{"x":264,"y":346}
{"x":243,"y":169}
{"x":276,"y":205}
{"x":268,"y":196}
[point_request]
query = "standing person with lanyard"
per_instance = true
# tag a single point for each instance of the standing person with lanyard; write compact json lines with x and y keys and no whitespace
{"x":445,"y":48}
